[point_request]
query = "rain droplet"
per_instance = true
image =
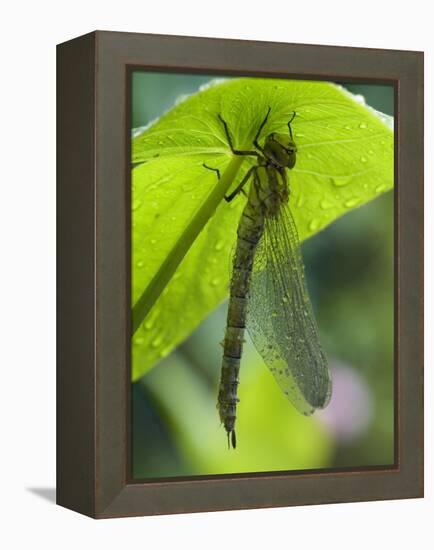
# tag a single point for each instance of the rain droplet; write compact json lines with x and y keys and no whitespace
{"x":313,"y":224}
{"x":363,"y":159}
{"x":381,"y":188}
{"x":148,"y":324}
{"x":219,"y":245}
{"x":157,"y":341}
{"x":347,"y":127}
{"x":164,"y":352}
{"x":341,"y":181}
{"x":352,"y":202}
{"x":138,"y":340}
{"x":153,"y":241}
{"x":300,"y":201}
{"x":371,"y":152}
{"x":136,"y":204}
{"x":325,"y":204}
{"x":140,"y":263}
{"x":363,"y":125}
{"x":215,"y":281}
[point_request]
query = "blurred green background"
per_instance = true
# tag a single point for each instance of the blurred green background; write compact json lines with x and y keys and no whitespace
{"x":349,"y":266}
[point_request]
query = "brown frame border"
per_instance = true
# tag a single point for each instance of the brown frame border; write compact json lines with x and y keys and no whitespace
{"x":93,"y":274}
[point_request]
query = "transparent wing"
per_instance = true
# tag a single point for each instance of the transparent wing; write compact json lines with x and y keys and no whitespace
{"x":280,"y":318}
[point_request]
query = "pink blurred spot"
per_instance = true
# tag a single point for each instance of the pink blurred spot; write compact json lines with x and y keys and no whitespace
{"x":350,"y":410}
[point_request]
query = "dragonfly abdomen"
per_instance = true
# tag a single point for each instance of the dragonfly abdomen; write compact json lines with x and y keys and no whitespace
{"x":249,"y":232}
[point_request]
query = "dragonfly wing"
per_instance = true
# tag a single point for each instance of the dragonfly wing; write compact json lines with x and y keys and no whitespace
{"x":280,"y":318}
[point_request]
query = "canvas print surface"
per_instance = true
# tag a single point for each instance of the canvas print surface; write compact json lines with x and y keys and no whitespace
{"x":262,"y":279}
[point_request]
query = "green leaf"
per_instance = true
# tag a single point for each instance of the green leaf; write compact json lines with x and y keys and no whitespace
{"x":183,"y":232}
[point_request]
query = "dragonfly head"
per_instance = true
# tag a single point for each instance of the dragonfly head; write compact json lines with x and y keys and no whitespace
{"x":280,"y":149}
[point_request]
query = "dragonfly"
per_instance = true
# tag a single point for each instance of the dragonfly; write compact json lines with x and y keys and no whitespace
{"x":268,"y":292}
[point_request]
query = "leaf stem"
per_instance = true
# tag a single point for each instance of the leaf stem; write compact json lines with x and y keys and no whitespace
{"x":173,"y":259}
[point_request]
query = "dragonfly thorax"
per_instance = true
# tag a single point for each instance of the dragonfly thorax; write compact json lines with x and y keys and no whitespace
{"x":280,"y":150}
{"x":270,"y":189}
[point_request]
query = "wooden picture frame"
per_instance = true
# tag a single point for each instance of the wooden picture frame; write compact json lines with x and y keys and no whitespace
{"x":93,"y":376}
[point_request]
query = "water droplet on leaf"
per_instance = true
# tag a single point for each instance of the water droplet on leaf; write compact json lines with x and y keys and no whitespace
{"x":219,"y":245}
{"x":157,"y":341}
{"x":300,"y":201}
{"x":136,"y":204}
{"x":381,"y":188}
{"x":325,"y":204}
{"x":313,"y":224}
{"x":349,"y":203}
{"x":148,"y":324}
{"x":164,"y":352}
{"x":341,"y":181}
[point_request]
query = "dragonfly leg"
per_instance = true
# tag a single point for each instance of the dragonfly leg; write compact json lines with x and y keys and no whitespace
{"x":236,"y":151}
{"x":135,"y":164}
{"x":237,"y":190}
{"x":258,"y":133}
{"x":216,"y":170}
{"x":289,"y":125}
{"x":240,"y":186}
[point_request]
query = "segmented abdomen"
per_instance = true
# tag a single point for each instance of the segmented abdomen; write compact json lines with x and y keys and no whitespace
{"x":249,"y":232}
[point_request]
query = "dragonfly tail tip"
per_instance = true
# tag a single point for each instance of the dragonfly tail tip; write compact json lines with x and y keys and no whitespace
{"x":233,"y":439}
